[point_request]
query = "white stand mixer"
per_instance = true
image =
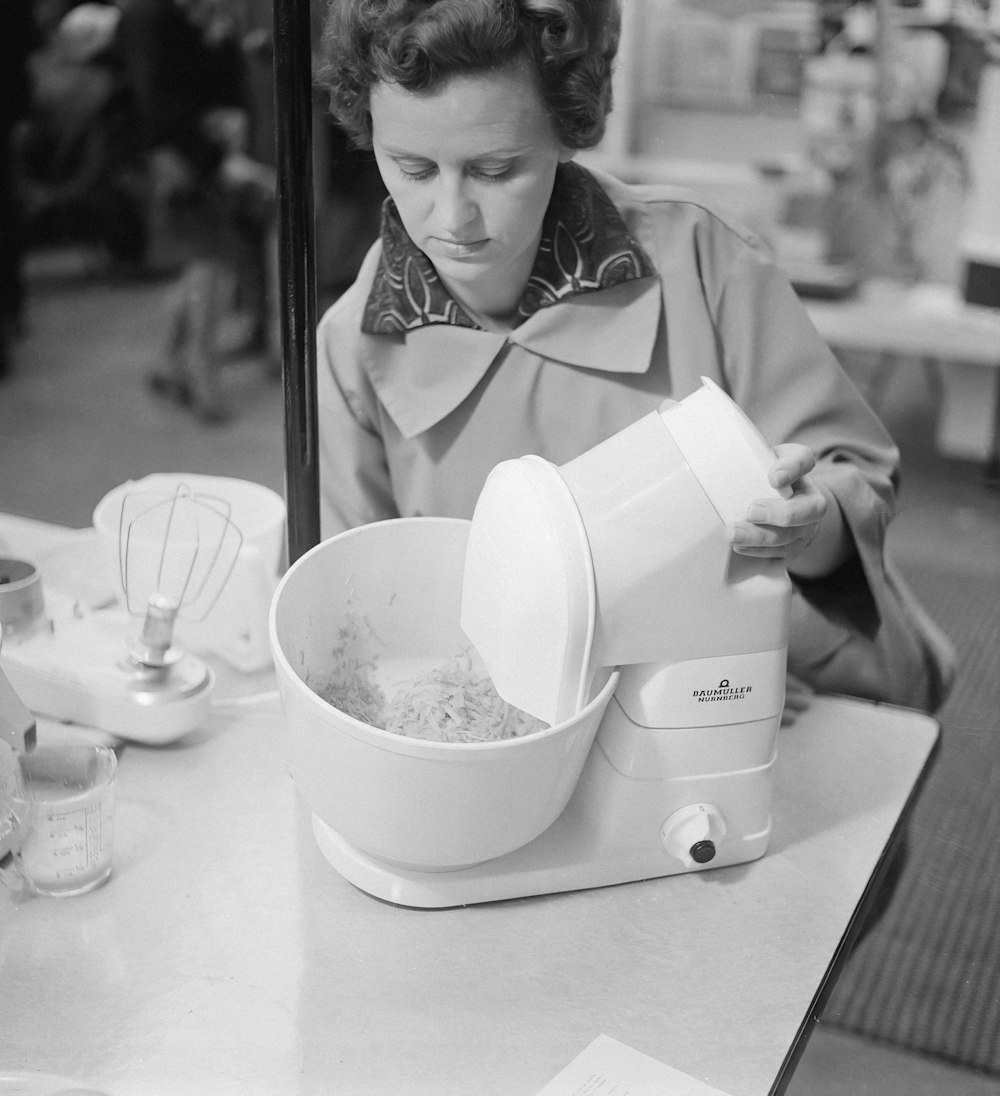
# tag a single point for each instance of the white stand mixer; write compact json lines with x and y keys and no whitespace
{"x":621,"y":559}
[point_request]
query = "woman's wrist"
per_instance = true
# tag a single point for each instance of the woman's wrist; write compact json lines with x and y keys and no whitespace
{"x":831,"y":547}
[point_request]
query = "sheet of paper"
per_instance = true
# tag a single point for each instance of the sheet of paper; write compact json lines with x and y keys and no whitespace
{"x":610,"y":1068}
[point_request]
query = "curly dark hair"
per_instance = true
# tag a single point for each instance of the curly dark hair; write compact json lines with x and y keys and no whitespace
{"x":419,"y":44}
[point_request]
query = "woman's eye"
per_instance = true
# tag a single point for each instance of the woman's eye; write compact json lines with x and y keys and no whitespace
{"x":491,"y":173}
{"x":415,"y":170}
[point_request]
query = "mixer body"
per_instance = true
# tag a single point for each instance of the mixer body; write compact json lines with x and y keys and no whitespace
{"x":671,"y":808}
{"x":693,"y":790}
{"x":681,"y":772}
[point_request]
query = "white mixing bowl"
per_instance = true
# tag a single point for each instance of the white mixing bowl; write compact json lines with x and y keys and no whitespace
{"x":413,"y":803}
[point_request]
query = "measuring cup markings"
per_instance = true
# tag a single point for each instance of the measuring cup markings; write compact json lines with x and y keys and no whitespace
{"x":66,"y":844}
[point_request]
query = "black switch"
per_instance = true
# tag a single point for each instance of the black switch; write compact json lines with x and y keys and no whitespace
{"x":703,"y":851}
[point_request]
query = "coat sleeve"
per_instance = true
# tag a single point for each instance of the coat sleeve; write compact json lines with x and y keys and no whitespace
{"x":355,"y":486}
{"x":859,"y":630}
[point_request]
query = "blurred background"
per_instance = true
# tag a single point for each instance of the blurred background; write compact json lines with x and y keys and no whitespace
{"x":861,"y":140}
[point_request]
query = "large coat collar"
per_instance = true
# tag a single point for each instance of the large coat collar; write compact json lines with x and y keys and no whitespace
{"x":593,"y":301}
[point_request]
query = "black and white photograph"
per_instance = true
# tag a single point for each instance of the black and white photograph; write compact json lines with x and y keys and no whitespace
{"x":499,"y":547}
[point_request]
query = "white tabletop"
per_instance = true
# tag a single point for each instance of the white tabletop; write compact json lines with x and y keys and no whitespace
{"x":929,"y":323}
{"x":226,"y":956}
{"x":924,"y":320}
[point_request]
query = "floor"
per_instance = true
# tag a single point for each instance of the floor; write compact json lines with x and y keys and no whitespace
{"x":76,"y":420}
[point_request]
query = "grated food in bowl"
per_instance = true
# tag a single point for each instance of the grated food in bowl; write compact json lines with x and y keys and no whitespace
{"x":454,"y":702}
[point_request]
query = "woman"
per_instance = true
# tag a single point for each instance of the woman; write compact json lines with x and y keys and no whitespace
{"x":518,"y":303}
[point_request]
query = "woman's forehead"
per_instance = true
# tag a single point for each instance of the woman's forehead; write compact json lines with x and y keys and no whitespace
{"x":479,"y":109}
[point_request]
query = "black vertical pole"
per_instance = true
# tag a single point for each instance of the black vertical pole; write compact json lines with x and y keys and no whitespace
{"x":296,"y":266}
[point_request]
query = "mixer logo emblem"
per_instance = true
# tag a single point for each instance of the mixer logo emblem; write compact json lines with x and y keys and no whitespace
{"x":723,"y":691}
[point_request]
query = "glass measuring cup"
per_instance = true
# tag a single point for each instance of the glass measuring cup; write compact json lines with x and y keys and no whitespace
{"x":58,"y":803}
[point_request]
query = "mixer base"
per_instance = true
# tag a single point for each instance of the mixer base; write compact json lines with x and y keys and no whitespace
{"x":563,"y":858}
{"x":77,"y":673}
{"x":640,"y":810}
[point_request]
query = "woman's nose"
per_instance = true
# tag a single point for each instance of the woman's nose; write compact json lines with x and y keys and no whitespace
{"x":456,"y":208}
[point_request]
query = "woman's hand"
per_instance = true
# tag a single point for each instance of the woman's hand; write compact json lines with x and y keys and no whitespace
{"x":798,"y":697}
{"x":806,"y":529}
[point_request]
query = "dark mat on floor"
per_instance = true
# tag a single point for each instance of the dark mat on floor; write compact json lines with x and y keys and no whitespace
{"x":927,"y":978}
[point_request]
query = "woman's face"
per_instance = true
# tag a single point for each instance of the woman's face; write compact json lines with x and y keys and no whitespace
{"x":470,"y":166}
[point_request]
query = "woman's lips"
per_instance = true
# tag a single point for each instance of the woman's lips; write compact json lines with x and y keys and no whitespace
{"x":460,"y":249}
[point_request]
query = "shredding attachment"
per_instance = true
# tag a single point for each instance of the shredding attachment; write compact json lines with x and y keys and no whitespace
{"x":619,"y":557}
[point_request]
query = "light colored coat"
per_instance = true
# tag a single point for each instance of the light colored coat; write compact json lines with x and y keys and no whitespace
{"x":412,"y":423}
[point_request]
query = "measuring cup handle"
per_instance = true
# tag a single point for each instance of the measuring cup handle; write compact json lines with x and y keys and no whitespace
{"x":12,"y":834}
{"x":12,"y":814}
{"x":11,"y":875}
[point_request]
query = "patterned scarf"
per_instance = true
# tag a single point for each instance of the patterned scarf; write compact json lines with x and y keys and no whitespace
{"x":585,"y":246}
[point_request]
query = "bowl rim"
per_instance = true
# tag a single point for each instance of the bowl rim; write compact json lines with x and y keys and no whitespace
{"x":389,"y":740}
